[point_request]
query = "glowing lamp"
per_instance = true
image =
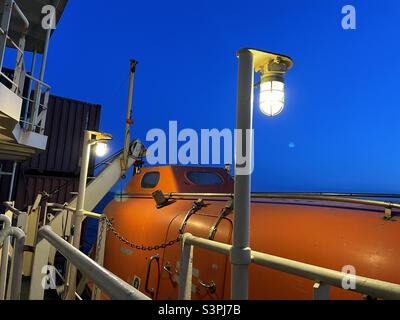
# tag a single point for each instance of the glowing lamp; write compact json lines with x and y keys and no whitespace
{"x":101,"y":148}
{"x":273,"y":68}
{"x":272,"y":95}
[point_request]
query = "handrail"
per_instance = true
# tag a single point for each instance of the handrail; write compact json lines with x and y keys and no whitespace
{"x":363,"y":285}
{"x":294,"y":196}
{"x":18,"y":257}
{"x":338,"y":194}
{"x":14,"y":44}
{"x":69,"y":208}
{"x":10,"y":206}
{"x":47,"y":86}
{"x":4,"y":243}
{"x":35,"y":104}
{"x":21,"y":15}
{"x":377,"y":203}
{"x":38,"y":110}
{"x":8,"y":79}
{"x":108,"y":282}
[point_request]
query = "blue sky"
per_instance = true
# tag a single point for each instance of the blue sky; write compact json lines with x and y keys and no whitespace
{"x":339,"y":130}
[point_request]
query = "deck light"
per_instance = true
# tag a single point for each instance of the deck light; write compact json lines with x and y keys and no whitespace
{"x":101,"y":148}
{"x":273,"y":68}
{"x":272,"y":87}
{"x":99,"y":141}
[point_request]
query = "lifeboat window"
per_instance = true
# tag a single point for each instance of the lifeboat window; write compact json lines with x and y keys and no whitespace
{"x":150,"y":180}
{"x":204,"y":178}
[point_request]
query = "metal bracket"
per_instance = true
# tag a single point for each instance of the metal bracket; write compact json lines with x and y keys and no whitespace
{"x":161,"y":200}
{"x":151,"y":291}
{"x":197,"y":205}
{"x":388,"y":214}
{"x":321,"y":291}
{"x":240,"y":256}
{"x":211,"y":287}
{"x":224,"y":212}
{"x":168,"y":269}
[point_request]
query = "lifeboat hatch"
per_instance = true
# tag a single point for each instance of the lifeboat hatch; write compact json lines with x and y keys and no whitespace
{"x":209,"y":268}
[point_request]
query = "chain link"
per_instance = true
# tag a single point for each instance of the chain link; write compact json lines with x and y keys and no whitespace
{"x":116,"y":234}
{"x":100,"y":239}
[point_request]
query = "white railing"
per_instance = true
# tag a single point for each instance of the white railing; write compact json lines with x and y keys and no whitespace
{"x":108,"y":282}
{"x":102,"y":278}
{"x":36,"y":107}
{"x":36,"y":101}
{"x":9,"y":231}
{"x":323,"y":278}
{"x":8,"y":8}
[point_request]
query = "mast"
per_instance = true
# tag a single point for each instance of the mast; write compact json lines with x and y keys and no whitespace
{"x":129,"y":120}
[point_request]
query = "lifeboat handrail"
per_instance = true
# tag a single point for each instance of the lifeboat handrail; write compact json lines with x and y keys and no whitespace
{"x":378,"y":203}
{"x":332,"y":197}
{"x":323,"y":277}
{"x":296,"y":194}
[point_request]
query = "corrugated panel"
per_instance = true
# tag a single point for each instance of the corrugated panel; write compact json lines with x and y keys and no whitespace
{"x":58,"y":188}
{"x":58,"y":167}
{"x":66,"y":121}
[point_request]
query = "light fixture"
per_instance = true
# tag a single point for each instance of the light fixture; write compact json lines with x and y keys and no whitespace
{"x":273,"y":68}
{"x":272,"y":87}
{"x":101,"y":148}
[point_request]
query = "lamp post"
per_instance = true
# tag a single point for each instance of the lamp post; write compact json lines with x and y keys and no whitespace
{"x":91,"y":138}
{"x":273,"y":68}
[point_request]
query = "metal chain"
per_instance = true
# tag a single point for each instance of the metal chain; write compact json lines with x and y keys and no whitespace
{"x":99,"y":241}
{"x":111,"y":228}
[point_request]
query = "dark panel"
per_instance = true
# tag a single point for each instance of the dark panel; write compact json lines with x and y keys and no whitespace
{"x":58,"y":188}
{"x":65,"y":123}
{"x":56,"y":170}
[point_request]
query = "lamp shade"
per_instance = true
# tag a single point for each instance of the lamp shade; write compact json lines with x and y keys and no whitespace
{"x":272,"y":95}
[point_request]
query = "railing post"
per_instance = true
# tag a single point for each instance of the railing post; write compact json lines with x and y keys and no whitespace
{"x":99,"y":257}
{"x":4,"y":268}
{"x":10,"y":193}
{"x":4,"y":257}
{"x":19,"y":73}
{"x":321,"y":291}
{"x":29,"y":104}
{"x":241,"y":253}
{"x":40,"y":260}
{"x":22,"y":224}
{"x":186,"y":270}
{"x":38,"y":90}
{"x":5,"y":25}
{"x":40,"y":121}
{"x":18,"y":263}
{"x":78,"y":216}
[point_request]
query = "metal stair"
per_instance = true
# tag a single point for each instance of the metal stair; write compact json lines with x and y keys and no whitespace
{"x":24,"y":98}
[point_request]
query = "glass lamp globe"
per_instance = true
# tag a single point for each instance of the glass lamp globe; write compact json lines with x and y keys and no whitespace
{"x":101,"y":149}
{"x":272,"y":96}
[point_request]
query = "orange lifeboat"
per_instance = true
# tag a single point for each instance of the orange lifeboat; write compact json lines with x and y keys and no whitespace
{"x":327,"y":234}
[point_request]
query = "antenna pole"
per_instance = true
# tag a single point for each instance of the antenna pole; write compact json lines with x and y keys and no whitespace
{"x":129,"y":120}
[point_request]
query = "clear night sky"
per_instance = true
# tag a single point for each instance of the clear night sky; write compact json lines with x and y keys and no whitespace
{"x":340,"y":127}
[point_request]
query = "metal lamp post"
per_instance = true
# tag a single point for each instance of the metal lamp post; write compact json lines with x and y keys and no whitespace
{"x":273,"y":68}
{"x":90,"y":138}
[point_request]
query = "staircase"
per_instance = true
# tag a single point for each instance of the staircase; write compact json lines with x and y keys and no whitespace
{"x":16,"y":142}
{"x":19,"y":140}
{"x":24,"y":98}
